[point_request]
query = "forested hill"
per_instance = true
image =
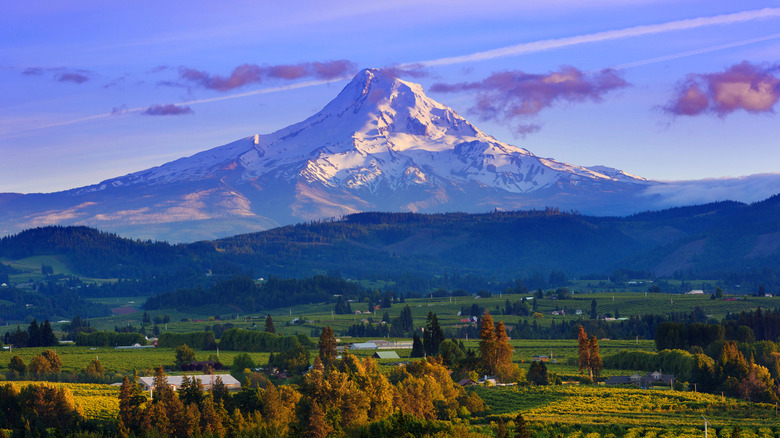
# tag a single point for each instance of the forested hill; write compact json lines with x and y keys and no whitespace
{"x":725,"y":236}
{"x":714,"y":238}
{"x":94,"y":253}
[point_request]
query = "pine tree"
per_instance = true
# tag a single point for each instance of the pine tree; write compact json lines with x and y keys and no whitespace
{"x":327,"y":346}
{"x":317,"y":426}
{"x":47,"y":337}
{"x":593,"y":313}
{"x":34,"y":333}
{"x":417,"y":347}
{"x":210,"y":419}
{"x":162,"y":392}
{"x":269,"y":324}
{"x":487,"y":344}
{"x":433,"y":335}
{"x":503,"y":348}
{"x":220,"y":393}
{"x":501,"y":432}
{"x":583,"y":351}
{"x":191,"y":391}
{"x":594,"y":364}
{"x":129,"y":406}
{"x":406,"y":321}
{"x":521,"y":427}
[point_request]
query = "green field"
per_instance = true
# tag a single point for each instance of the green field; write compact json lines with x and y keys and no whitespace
{"x":624,"y":409}
{"x":120,"y":362}
{"x":316,"y":316}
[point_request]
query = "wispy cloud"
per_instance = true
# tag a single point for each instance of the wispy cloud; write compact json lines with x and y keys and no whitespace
{"x":76,"y":78}
{"x":745,"y":86}
{"x":511,"y":95}
{"x":542,"y":45}
{"x":60,"y":74}
{"x":167,"y":110}
{"x":247,"y":74}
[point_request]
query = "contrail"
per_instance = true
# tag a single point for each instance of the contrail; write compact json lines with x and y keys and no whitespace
{"x":694,"y":52}
{"x":539,"y":46}
{"x":519,"y":49}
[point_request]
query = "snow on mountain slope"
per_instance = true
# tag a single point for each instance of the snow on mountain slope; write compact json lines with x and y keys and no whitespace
{"x":379,"y":132}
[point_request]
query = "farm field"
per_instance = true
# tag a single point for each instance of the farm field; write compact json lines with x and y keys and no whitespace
{"x":316,"y":316}
{"x":645,"y":411}
{"x":120,"y":362}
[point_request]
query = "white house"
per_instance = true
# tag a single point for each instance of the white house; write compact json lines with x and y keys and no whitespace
{"x":207,"y":380}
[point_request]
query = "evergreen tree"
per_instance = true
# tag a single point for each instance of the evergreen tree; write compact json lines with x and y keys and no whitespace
{"x":487,"y":344}
{"x":594,"y":364}
{"x":211,"y":420}
{"x":47,"y":337}
{"x":220,"y":393}
{"x":593,"y":313}
{"x":269,"y":325}
{"x":162,"y":392}
{"x":34,"y":333}
{"x":432,"y":336}
{"x":537,"y":373}
{"x":327,"y":346}
{"x":583,"y":351}
{"x":191,"y":391}
{"x":406,"y":321}
{"x":131,"y":398}
{"x":521,"y":427}
{"x":317,"y":426}
{"x":501,"y":431}
{"x":342,"y":307}
{"x":417,"y":347}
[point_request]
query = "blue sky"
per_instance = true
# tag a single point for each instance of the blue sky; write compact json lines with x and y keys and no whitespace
{"x":668,"y":90}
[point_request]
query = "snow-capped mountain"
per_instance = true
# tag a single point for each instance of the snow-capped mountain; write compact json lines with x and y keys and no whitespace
{"x":380,"y":133}
{"x":381,"y":144}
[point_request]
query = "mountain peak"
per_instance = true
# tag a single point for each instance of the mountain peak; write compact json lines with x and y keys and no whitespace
{"x":371,"y":89}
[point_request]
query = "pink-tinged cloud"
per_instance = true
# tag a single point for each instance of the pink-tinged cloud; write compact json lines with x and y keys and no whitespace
{"x":333,"y":69}
{"x":744,"y":86}
{"x":408,"y":70}
{"x":288,"y":72}
{"x":76,"y":78}
{"x":167,"y":110}
{"x":510,"y":95}
{"x":248,"y":74}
